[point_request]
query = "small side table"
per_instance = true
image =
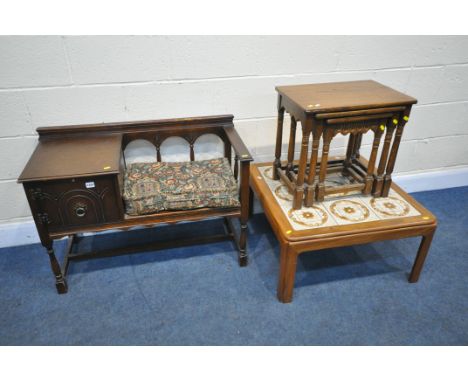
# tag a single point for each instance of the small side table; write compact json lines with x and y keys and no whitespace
{"x":326,"y":110}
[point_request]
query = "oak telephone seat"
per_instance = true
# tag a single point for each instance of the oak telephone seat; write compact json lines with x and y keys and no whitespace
{"x":80,"y":179}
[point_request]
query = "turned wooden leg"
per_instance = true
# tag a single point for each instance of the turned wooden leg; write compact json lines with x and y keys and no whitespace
{"x":245,"y":194}
{"x":357,"y":146}
{"x":299,"y":191}
{"x":309,"y":198}
{"x":243,"y":258}
{"x":393,"y":154}
{"x":60,"y":281}
{"x":251,"y":202}
{"x":292,"y":145}
{"x":327,"y":137}
{"x":349,"y":153}
{"x":378,"y":182}
{"x":421,"y":257}
{"x":371,"y":164}
{"x":236,"y":167}
{"x":279,"y":141}
{"x":287,"y":273}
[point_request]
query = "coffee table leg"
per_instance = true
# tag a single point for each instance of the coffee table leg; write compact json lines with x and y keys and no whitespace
{"x":421,"y":257}
{"x":288,"y":262}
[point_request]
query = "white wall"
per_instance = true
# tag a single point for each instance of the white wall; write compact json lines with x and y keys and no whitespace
{"x":54,"y":80}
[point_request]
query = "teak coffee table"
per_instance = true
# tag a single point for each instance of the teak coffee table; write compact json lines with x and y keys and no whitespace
{"x":349,"y":218}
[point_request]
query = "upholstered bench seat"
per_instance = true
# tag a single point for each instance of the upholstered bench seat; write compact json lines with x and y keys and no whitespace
{"x":159,"y":186}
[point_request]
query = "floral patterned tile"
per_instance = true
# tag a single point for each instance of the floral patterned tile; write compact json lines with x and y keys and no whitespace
{"x":393,"y":206}
{"x":350,"y":210}
{"x":338,"y":209}
{"x":305,"y":218}
{"x":310,"y":217}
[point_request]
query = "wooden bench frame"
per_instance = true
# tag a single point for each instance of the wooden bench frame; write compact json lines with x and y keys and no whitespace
{"x":55,"y":175}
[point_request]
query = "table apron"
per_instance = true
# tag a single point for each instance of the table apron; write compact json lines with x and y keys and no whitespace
{"x":360,"y":238}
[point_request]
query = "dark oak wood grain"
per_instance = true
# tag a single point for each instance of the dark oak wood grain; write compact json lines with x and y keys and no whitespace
{"x":73,"y":157}
{"x":73,"y":182}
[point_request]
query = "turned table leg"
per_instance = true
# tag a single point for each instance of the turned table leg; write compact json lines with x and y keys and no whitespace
{"x":299,"y":191}
{"x":316,"y":135}
{"x":279,"y":140}
{"x":60,"y":281}
{"x":421,"y":257}
{"x":378,"y":183}
{"x":292,"y":144}
{"x":42,"y":221}
{"x":357,"y":146}
{"x":349,"y":153}
{"x":393,"y":154}
{"x":288,"y":262}
{"x":327,"y":137}
{"x":371,"y":164}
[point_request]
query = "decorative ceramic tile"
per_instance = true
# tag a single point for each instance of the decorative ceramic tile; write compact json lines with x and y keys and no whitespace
{"x":309,"y":217}
{"x":391,"y":207}
{"x":349,"y":210}
{"x":282,"y":192}
{"x":337,"y":209}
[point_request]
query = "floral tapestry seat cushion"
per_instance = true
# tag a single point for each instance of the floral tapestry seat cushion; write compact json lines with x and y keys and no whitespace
{"x":159,"y":186}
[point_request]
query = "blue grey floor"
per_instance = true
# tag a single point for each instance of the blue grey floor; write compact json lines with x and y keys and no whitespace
{"x":199,"y":296}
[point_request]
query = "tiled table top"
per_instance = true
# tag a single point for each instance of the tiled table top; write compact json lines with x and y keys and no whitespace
{"x":338,"y":209}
